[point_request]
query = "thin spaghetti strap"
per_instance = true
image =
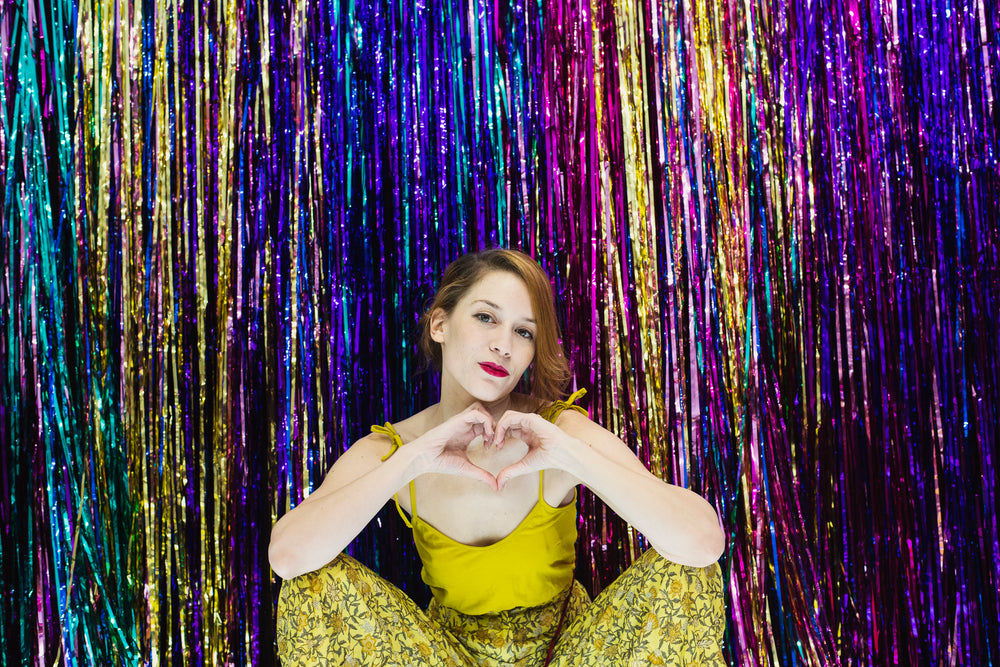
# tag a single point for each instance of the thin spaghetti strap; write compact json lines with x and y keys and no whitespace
{"x":541,"y":484}
{"x":397,"y":442}
{"x":413,"y":500}
{"x":402,"y":514}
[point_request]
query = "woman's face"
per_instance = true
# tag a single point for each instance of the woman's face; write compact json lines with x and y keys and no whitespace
{"x":488,"y":340}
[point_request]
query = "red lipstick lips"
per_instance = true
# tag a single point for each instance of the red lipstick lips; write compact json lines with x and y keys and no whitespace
{"x":496,"y":370}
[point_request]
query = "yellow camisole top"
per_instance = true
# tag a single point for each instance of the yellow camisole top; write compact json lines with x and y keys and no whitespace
{"x":527,"y":568}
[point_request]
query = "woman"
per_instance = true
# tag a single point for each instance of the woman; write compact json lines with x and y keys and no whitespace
{"x":488,"y":478}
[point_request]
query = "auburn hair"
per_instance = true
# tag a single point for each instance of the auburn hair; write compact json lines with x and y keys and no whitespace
{"x":549,"y":372}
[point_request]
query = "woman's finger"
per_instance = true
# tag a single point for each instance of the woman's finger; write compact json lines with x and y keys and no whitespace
{"x":459,"y":465}
{"x":475,"y":472}
{"x":519,"y":423}
{"x":523,"y":467}
{"x":501,"y":435}
{"x":477,"y":417}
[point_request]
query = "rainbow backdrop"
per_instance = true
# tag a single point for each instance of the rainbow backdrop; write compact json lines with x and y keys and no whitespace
{"x":772,"y":227}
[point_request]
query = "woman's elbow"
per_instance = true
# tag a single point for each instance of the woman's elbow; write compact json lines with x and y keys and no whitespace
{"x":290,"y":558}
{"x":701,"y":550}
{"x":714,"y":546}
{"x":285,"y":555}
{"x":280,"y":560}
{"x":711,"y":542}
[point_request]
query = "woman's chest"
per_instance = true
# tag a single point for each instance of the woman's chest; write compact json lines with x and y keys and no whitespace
{"x":470,"y":515}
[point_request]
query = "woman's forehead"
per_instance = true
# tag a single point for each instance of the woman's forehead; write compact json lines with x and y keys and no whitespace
{"x":504,"y":291}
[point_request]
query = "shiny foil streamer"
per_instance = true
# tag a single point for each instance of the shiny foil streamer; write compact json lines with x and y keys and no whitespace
{"x":772,"y":228}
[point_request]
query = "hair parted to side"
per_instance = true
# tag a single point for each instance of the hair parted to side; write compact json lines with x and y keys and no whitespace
{"x":549,"y":372}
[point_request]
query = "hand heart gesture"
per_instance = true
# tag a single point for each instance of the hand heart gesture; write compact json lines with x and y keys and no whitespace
{"x":446,"y":445}
{"x":540,"y":435}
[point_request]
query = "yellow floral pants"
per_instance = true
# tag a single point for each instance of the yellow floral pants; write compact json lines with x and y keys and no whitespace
{"x":655,"y":613}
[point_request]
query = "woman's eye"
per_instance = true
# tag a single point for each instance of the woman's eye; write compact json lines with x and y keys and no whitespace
{"x":524,"y":333}
{"x":484,"y":317}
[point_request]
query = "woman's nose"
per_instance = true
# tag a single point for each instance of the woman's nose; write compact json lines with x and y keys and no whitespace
{"x":501,"y":345}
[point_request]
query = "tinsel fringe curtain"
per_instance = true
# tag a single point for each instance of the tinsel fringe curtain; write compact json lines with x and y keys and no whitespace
{"x":772,"y":227}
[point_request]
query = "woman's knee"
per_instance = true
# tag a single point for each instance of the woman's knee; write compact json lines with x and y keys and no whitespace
{"x":312,"y":617}
{"x":319,"y":590}
{"x":663,"y":578}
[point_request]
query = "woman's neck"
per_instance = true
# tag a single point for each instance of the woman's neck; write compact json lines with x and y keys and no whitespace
{"x":451,"y":405}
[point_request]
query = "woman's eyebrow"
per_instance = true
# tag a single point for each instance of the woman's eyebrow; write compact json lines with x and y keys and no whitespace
{"x":496,"y":307}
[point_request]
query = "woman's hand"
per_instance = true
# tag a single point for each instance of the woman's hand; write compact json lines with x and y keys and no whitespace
{"x":547,"y":444}
{"x":444,"y":449}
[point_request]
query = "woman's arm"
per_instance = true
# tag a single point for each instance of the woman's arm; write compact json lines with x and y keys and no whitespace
{"x":681,"y":525}
{"x":360,"y":483}
{"x":321,"y":526}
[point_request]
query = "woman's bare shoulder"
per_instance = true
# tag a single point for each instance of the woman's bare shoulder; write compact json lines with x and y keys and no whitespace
{"x":414,"y":426}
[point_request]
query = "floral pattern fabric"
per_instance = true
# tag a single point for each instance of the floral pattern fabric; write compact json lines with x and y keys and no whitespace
{"x":655,"y":613}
